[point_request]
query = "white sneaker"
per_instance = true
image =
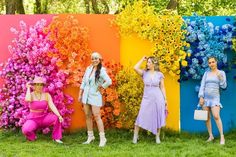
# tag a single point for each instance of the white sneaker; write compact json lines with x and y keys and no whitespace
{"x":58,"y":141}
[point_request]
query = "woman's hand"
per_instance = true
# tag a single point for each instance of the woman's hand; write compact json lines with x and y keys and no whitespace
{"x":28,"y":85}
{"x":144,"y":58}
{"x":219,"y":75}
{"x":201,"y":101}
{"x":100,"y":89}
{"x":60,"y":119}
{"x":80,"y":98}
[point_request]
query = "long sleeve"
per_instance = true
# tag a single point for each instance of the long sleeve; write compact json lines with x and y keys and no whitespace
{"x":83,"y":80}
{"x":202,"y":87}
{"x":223,"y":83}
{"x":106,"y":78}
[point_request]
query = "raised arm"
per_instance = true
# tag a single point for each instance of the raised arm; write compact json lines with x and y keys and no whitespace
{"x":53,"y":107}
{"x":138,"y":65}
{"x":28,"y":94}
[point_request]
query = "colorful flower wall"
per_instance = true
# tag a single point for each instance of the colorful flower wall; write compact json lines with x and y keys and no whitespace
{"x":59,"y":49}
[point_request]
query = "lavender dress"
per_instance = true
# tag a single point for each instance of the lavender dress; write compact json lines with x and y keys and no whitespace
{"x":151,"y":115}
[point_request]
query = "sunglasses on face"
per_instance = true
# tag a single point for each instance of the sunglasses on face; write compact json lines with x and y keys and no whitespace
{"x":38,"y":84}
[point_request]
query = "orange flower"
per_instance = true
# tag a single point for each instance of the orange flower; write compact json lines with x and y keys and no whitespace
{"x":118,"y":124}
{"x":116,"y":112}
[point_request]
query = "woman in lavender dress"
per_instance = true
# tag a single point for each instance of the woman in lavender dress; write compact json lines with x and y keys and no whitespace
{"x":209,"y":96}
{"x":151,"y":115}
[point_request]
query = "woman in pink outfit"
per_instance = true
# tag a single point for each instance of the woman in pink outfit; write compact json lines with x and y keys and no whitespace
{"x":39,"y":116}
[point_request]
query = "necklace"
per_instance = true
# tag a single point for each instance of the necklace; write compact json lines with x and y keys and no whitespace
{"x":38,"y":96}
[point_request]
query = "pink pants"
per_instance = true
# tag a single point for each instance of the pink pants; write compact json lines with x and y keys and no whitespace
{"x":41,"y":120}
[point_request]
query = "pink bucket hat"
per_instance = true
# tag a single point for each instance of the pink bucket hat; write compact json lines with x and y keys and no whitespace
{"x":38,"y":79}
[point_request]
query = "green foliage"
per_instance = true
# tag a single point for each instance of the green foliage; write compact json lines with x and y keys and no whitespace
{"x":207,"y":7}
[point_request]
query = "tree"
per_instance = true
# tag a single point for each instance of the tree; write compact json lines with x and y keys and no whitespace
{"x":41,"y":6}
{"x":14,"y":6}
{"x":172,"y":5}
{"x":98,"y":6}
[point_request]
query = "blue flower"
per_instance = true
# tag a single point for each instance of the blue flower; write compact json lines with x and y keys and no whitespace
{"x":206,"y":40}
{"x":227,"y":19}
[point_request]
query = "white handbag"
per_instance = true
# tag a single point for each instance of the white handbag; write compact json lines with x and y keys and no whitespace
{"x":200,"y":115}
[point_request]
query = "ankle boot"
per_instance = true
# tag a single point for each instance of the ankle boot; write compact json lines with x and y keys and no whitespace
{"x":90,"y":137}
{"x":103,"y":139}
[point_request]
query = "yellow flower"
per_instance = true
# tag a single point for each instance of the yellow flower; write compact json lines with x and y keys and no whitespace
{"x":184,"y":63}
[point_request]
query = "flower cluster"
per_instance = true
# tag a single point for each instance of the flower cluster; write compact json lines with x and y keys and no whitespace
{"x":169,"y":45}
{"x":112,"y":108}
{"x":29,"y":58}
{"x":71,"y":43}
{"x":165,"y":32}
{"x":234,"y":44}
{"x":205,"y":40}
{"x":130,"y":90}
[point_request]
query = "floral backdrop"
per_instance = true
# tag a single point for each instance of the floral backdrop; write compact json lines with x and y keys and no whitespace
{"x":59,"y":51}
{"x":29,"y":58}
{"x":206,"y":40}
{"x":164,"y":31}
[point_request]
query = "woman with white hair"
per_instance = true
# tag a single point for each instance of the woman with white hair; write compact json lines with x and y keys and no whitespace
{"x":94,"y":79}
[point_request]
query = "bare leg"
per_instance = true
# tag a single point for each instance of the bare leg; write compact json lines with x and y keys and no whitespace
{"x":158,"y":141}
{"x":89,"y":123}
{"x":136,"y":131}
{"x":216,"y":114}
{"x":208,"y":124}
{"x":88,"y":115}
{"x":97,"y":116}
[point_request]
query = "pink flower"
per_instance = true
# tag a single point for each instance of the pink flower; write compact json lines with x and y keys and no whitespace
{"x":46,"y":131}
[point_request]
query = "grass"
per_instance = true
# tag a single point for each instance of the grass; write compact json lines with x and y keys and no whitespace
{"x":119,"y":144}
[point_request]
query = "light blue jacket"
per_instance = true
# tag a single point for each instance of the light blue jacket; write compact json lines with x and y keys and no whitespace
{"x":91,"y":94}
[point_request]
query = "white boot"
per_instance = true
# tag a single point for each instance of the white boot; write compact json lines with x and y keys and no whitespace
{"x":103,"y":139}
{"x":158,"y":141}
{"x":90,"y":137}
{"x":135,"y":139}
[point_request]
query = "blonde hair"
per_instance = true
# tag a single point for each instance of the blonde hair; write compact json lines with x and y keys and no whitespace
{"x":155,"y":62}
